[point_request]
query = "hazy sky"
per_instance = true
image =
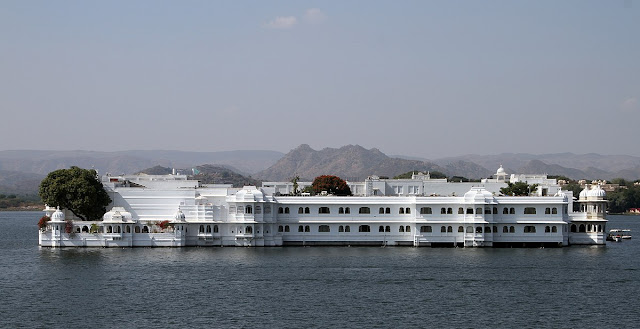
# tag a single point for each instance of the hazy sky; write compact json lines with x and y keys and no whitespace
{"x":421,"y":78}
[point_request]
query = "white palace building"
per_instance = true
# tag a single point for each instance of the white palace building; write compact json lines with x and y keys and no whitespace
{"x":173,"y":211}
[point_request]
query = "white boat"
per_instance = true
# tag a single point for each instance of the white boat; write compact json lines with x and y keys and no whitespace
{"x":618,"y":234}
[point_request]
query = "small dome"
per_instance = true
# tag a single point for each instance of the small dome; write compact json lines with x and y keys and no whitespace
{"x":583,"y":193}
{"x":596,"y":192}
{"x":500,"y":171}
{"x":57,"y":216}
{"x":179,"y":216}
{"x":117,"y":214}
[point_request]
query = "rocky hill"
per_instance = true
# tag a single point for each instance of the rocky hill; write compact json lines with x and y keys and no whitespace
{"x":351,"y":162}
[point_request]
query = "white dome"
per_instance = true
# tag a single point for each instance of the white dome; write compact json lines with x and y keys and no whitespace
{"x":596,"y":192}
{"x":57,"y":216}
{"x":117,"y":214}
{"x":478,"y":195}
{"x":179,"y":216}
{"x":500,"y":171}
{"x":583,"y":193}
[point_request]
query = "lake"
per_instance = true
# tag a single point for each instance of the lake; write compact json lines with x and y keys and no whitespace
{"x":316,"y":287}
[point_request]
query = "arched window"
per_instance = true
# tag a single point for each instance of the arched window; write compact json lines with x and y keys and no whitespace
{"x":581,"y":228}
{"x":215,"y":228}
{"x":469,"y":211}
{"x":347,"y":228}
{"x":280,"y":228}
{"x":307,"y":210}
{"x":401,"y":210}
{"x":425,"y":229}
{"x":554,"y":229}
{"x":307,"y":228}
{"x":128,"y":229}
{"x":364,"y":210}
{"x":280,"y":210}
{"x":469,"y":229}
{"x":324,"y":228}
{"x":443,"y":211}
{"x":387,"y":210}
{"x":449,"y":211}
{"x":547,"y":229}
{"x":136,"y":229}
{"x":286,"y":210}
{"x":381,"y":210}
{"x":109,"y":229}
{"x":449,"y":229}
{"x":407,"y":228}
{"x":487,"y":229}
{"x":249,"y":210}
{"x":589,"y":228}
{"x":248,"y":230}
{"x":387,"y":228}
{"x":529,"y":229}
{"x":300,"y":228}
{"x":495,"y":210}
{"x":460,"y":211}
{"x":479,"y":229}
{"x":554,"y":211}
{"x":300,"y":210}
{"x":443,"y":229}
{"x":495,"y":229}
{"x":478,"y":211}
{"x":505,"y":211}
{"x":118,"y":229}
{"x":505,"y":229}
{"x":86,"y":229}
{"x":286,"y":228}
{"x":324,"y":210}
{"x":573,"y":228}
{"x":208,"y":228}
{"x":425,"y":211}
{"x":547,"y":211}
{"x":407,"y":210}
{"x":364,"y":228}
{"x":340,"y":228}
{"x":347,"y":210}
{"x":512,"y":229}
{"x":381,"y":228}
{"x":512,"y":211}
{"x":460,"y":229}
{"x":340,"y":210}
{"x":401,"y":229}
{"x":201,"y":229}
{"x":487,"y":211}
{"x":529,"y":211}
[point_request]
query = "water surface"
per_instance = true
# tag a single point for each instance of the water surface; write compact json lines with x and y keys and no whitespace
{"x":347,"y":287}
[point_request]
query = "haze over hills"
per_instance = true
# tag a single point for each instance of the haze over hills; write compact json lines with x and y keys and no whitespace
{"x":21,"y":171}
{"x":43,"y":162}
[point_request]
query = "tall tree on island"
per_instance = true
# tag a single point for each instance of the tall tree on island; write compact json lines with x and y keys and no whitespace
{"x":76,"y":189}
{"x":331,"y":184}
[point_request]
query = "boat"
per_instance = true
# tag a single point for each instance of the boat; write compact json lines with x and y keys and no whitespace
{"x":618,"y":235}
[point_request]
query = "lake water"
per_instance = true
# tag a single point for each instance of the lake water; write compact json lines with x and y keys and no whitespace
{"x":317,"y":287}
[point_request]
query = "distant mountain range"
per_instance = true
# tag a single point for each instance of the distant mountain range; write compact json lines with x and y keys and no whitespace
{"x":21,"y":171}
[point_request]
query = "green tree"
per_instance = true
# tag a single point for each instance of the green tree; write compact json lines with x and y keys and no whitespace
{"x":76,"y":189}
{"x":518,"y":189}
{"x":332,"y":184}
